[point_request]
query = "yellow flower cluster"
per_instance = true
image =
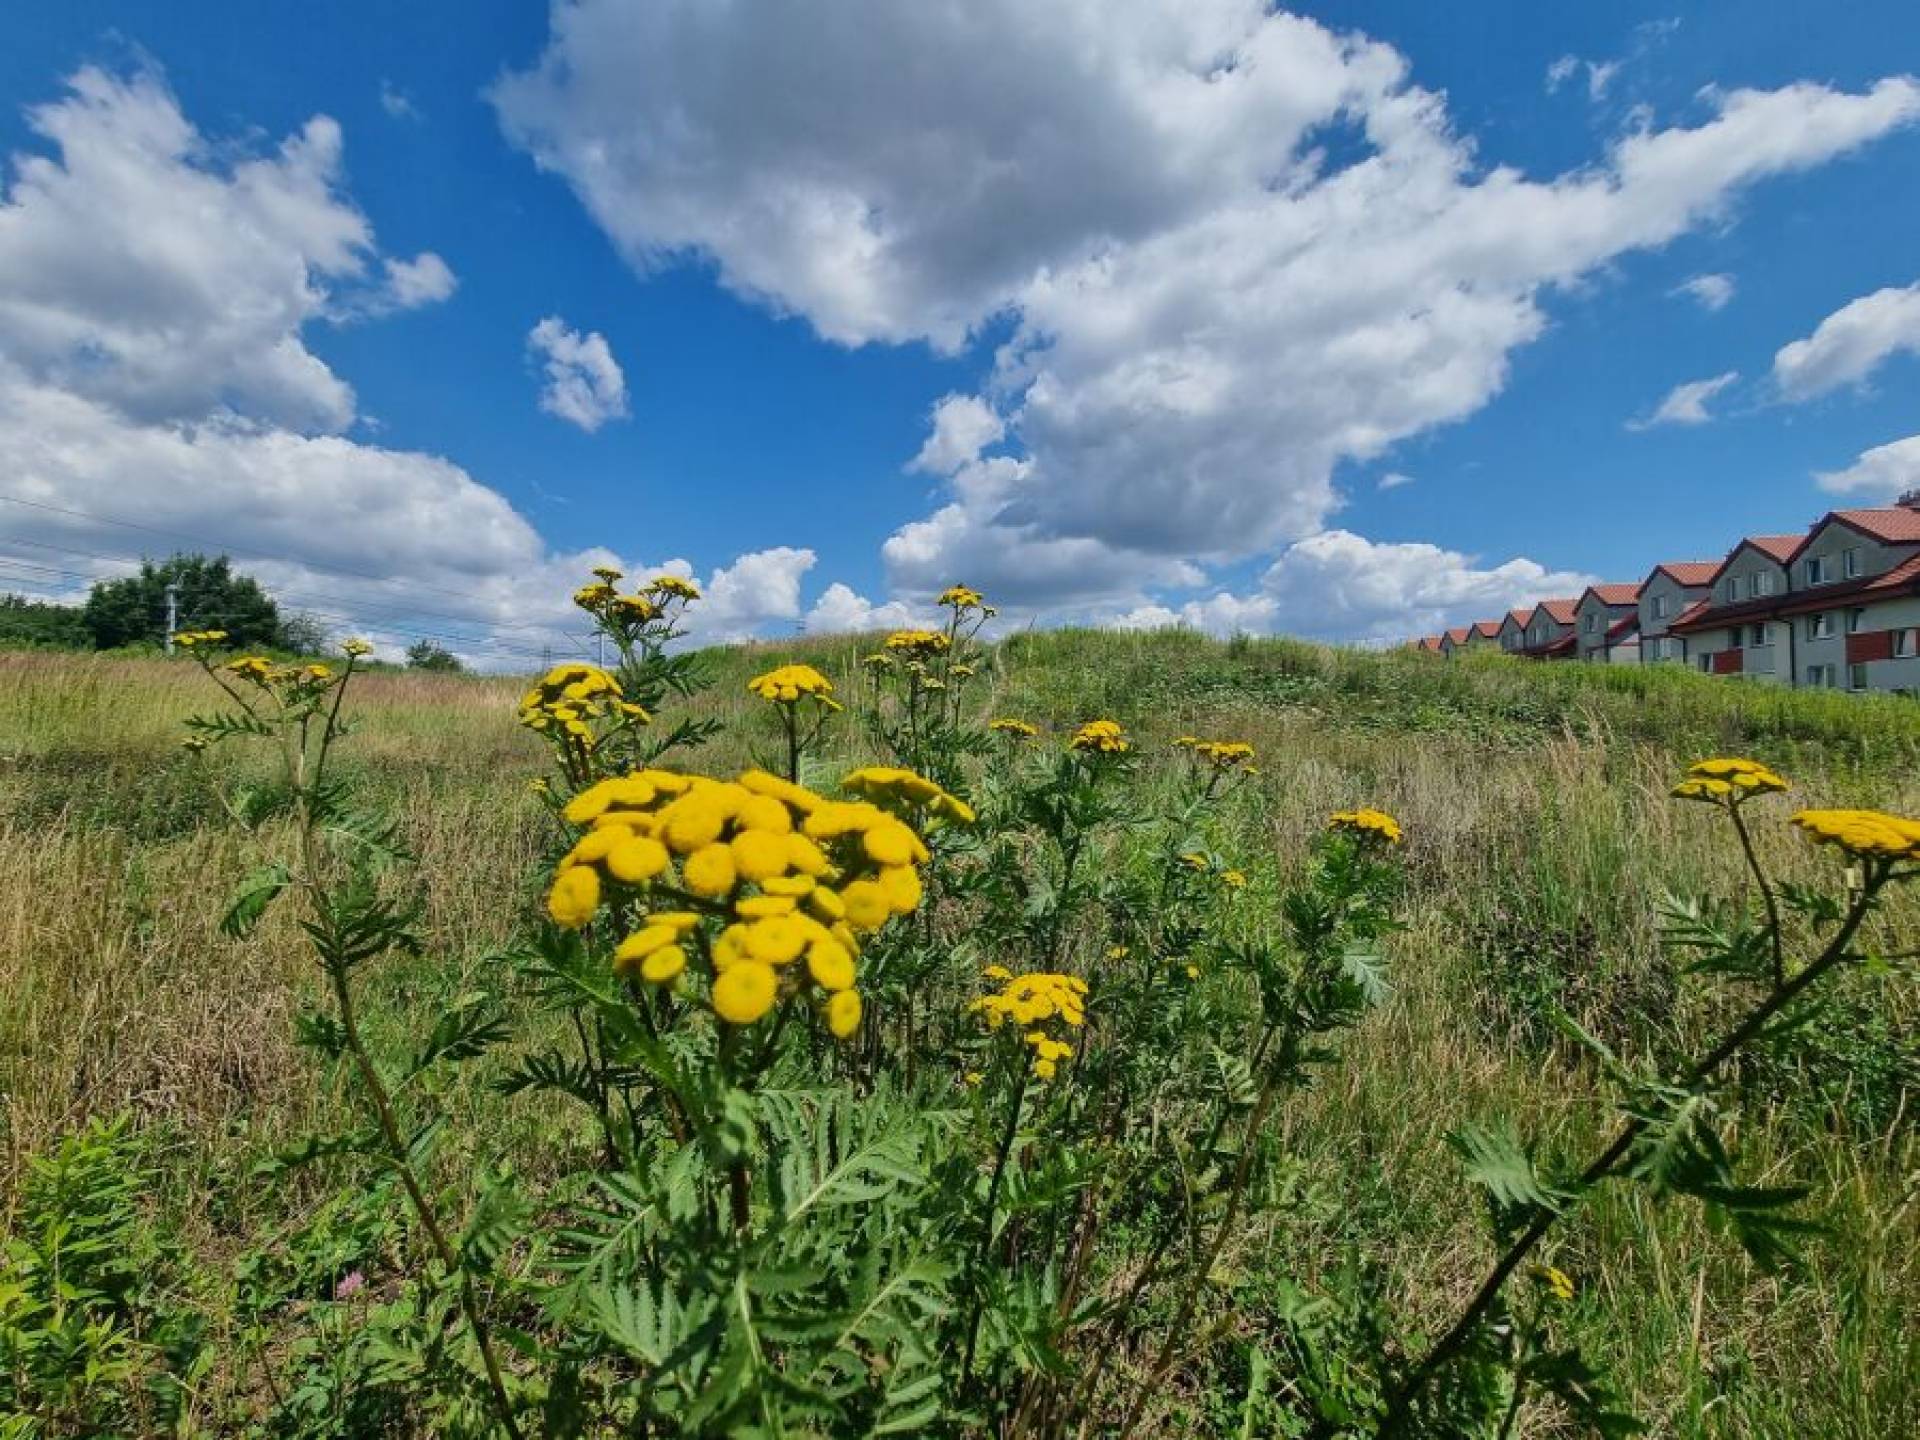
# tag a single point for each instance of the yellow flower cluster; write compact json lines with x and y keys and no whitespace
{"x":188,"y":639}
{"x":901,"y":790}
{"x":644,"y":606}
{"x":1220,"y":754}
{"x":1727,"y":781}
{"x":1367,"y":824}
{"x":919,"y":644}
{"x":1555,"y":1281}
{"x":257,"y":670}
{"x":789,"y":684}
{"x":354,"y":648}
{"x":1020,"y":729}
{"x":1868,"y":833}
{"x":962,"y":597}
{"x":1102,"y":737}
{"x":794,"y":876}
{"x":1031,"y":1002}
{"x":572,"y":695}
{"x":672,"y":587}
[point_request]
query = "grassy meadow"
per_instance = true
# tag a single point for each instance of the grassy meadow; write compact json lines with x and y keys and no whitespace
{"x":1540,"y":839}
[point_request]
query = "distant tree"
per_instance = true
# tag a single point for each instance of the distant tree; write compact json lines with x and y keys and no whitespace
{"x":301,"y":633}
{"x":211,"y":597}
{"x":37,"y":624}
{"x":432,"y":655}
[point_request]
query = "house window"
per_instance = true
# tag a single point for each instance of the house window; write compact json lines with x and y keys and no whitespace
{"x":1815,"y":569}
{"x":1854,"y":618}
{"x":1587,"y":621}
{"x":1850,"y":560}
{"x":1659,"y":607}
{"x":1735,"y":637}
{"x":1906,"y":644}
{"x":1706,"y":664}
{"x":1757,"y":634}
{"x":1762,"y":583}
{"x":1856,"y":677}
{"x":1820,"y":626}
{"x":1820,"y":676}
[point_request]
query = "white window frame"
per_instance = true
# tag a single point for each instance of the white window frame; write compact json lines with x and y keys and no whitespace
{"x":1659,"y":607}
{"x":1856,"y":617}
{"x":1813,"y":569}
{"x":1906,"y":644}
{"x":1820,"y":677}
{"x":1757,"y":633}
{"x":1820,"y":625}
{"x":1857,"y":675}
{"x":1762,"y":583}
{"x":1850,"y":561}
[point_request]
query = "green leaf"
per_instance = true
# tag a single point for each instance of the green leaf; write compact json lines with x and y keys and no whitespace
{"x":250,"y":901}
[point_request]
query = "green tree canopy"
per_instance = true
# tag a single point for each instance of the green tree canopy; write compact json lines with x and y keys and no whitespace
{"x":211,"y":597}
{"x":431,"y":655}
{"x":34,"y":623}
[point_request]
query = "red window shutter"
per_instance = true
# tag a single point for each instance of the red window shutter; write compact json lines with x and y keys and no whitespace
{"x":1728,"y":662}
{"x":1868,"y":645}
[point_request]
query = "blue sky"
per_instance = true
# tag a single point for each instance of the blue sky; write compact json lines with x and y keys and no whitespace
{"x":1183,"y":326}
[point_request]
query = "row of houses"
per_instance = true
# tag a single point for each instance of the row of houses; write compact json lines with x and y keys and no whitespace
{"x":1837,"y":606}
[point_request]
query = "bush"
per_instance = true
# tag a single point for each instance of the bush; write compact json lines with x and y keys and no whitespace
{"x":208,"y":595}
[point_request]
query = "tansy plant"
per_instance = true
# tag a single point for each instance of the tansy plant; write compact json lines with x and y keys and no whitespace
{"x":1671,"y":1140}
{"x":952,"y":1089}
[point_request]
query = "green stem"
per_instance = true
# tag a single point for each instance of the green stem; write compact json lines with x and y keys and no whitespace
{"x":1399,"y":1405}
{"x":993,"y":1202}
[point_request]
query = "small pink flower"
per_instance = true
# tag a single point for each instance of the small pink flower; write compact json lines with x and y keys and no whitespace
{"x":351,"y":1284}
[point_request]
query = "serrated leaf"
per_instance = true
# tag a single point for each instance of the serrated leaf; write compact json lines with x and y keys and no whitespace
{"x":250,"y":901}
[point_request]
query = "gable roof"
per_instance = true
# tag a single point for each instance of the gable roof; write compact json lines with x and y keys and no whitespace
{"x":1611,"y":595}
{"x":1428,"y":642}
{"x":1688,"y":574}
{"x":1457,"y":635}
{"x":1487,"y":629}
{"x":1777,"y":548}
{"x":1625,"y":626}
{"x":1518,"y":616}
{"x":1891,"y":525}
{"x":1558,"y":611}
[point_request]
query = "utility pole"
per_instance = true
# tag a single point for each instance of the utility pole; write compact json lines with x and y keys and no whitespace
{"x":173,"y":613}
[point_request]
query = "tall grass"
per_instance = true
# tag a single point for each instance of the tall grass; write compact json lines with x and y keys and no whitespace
{"x":1541,"y":840}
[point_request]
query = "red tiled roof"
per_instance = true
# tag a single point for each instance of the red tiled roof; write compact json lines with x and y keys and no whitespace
{"x":1559,"y":611}
{"x":1428,"y":642}
{"x":1626,"y":625}
{"x":1624,"y":594}
{"x":1900,"y":580}
{"x":1489,"y":629}
{"x":1780,"y":547}
{"x":1519,"y":617}
{"x":1458,"y":635}
{"x":1688,"y":573}
{"x":1696,"y":608}
{"x":1564,"y":645}
{"x":1891,"y":525}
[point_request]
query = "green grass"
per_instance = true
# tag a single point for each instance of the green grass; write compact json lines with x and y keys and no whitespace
{"x":1541,"y":839}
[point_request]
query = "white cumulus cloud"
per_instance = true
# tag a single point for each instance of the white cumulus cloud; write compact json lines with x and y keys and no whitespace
{"x":156,"y":392}
{"x":1205,"y":312}
{"x":963,"y":426}
{"x":584,"y":383}
{"x":1880,"y":474}
{"x":1686,"y":404}
{"x":1847,"y":346}
{"x":1340,"y":586}
{"x":1710,"y":292}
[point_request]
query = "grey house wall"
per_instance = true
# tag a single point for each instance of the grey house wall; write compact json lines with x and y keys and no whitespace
{"x":1845,"y":554}
{"x":1591,"y":621}
{"x":1655,"y":644}
{"x":1753,"y":574}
